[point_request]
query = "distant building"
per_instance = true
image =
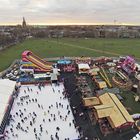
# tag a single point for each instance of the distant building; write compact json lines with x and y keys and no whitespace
{"x":24,"y":25}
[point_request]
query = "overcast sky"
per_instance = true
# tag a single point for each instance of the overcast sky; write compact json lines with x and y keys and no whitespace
{"x":70,"y":11}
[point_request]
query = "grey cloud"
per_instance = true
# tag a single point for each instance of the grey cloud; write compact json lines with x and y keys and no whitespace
{"x":70,"y":10}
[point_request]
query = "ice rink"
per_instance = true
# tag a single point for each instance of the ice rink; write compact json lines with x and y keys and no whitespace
{"x":41,"y":114}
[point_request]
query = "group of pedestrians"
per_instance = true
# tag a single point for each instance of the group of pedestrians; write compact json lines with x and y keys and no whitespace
{"x":36,"y":121}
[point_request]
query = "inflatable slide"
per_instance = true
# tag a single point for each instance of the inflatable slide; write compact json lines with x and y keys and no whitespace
{"x":28,"y":56}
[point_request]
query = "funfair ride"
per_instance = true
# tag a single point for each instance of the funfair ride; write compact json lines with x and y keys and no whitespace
{"x":128,"y":65}
{"x":32,"y":61}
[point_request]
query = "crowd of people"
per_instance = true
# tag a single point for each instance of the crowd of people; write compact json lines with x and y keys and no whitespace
{"x":33,"y":114}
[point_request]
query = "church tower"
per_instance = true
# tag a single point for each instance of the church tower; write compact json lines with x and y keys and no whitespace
{"x":24,"y":23}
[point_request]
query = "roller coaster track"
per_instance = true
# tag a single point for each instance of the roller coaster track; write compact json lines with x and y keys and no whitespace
{"x":105,"y":77}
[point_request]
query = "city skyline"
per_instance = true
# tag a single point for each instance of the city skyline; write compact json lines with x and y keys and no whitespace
{"x":73,"y":12}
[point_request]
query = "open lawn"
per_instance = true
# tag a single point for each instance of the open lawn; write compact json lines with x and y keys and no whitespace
{"x":71,"y":47}
{"x":129,"y":102}
{"x":108,"y":47}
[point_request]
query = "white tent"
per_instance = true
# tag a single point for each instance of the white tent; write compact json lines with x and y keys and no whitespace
{"x":83,"y":68}
{"x":56,"y":71}
{"x":43,"y":75}
{"x":136,"y":116}
{"x":6,"y":88}
{"x":2,"y":111}
{"x":137,"y":137}
{"x":54,"y":77}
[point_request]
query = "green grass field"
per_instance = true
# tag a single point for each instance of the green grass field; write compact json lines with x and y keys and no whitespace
{"x":129,"y":102}
{"x":71,"y":47}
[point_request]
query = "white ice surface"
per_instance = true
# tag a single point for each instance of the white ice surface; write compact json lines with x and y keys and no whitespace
{"x":46,"y":97}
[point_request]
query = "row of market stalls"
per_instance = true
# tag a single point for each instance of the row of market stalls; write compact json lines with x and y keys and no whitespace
{"x":72,"y":67}
{"x":83,"y":87}
{"x":49,"y":76}
{"x":34,"y":78}
{"x":66,"y":65}
{"x":82,"y":64}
